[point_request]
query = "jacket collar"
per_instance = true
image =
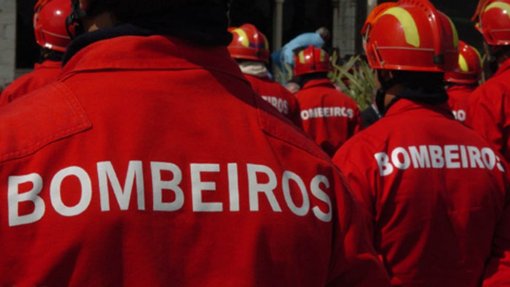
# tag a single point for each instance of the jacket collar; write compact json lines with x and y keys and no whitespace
{"x":126,"y":49}
{"x":461,"y":88}
{"x":503,"y":67}
{"x":48,"y":64}
{"x":318,"y":82}
{"x":404,"y":105}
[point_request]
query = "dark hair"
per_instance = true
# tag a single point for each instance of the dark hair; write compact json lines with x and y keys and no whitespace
{"x":427,"y":82}
{"x":303,"y":79}
{"x":200,"y":21}
{"x":47,"y":54}
{"x":422,"y":87}
{"x":127,"y":10}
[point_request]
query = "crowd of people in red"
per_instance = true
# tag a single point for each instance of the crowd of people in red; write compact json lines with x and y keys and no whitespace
{"x":152,"y":146}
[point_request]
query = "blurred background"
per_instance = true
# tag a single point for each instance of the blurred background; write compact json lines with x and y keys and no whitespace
{"x":280,"y":20}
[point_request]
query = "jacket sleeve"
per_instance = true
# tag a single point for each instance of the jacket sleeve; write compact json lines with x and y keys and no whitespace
{"x":359,"y":265}
{"x":497,"y":272}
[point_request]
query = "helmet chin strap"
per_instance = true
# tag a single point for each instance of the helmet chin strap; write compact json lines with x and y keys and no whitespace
{"x":74,"y":26}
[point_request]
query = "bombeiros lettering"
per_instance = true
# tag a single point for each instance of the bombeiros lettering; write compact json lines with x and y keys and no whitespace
{"x":171,"y":187}
{"x":327,"y":112}
{"x":437,"y":157}
{"x":459,"y":115}
{"x":280,"y":104}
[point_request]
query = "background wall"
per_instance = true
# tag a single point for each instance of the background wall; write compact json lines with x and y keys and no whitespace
{"x":7,"y":40}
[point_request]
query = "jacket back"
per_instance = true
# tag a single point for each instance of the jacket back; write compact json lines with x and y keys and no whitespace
{"x":161,"y":166}
{"x":435,"y":193}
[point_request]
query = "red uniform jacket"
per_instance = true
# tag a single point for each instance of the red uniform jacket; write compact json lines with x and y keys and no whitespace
{"x":163,"y":168}
{"x":489,"y":110}
{"x":43,"y":74}
{"x":277,"y":95}
{"x":328,"y":116}
{"x":435,"y":192}
{"x":457,"y":100}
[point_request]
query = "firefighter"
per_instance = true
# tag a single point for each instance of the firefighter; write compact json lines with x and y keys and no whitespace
{"x":462,"y":81}
{"x":328,"y":116}
{"x":250,"y":48}
{"x":151,"y":162}
{"x":489,"y":105}
{"x":436,"y":193}
{"x":317,"y":39}
{"x":283,"y":59}
{"x":51,"y":35}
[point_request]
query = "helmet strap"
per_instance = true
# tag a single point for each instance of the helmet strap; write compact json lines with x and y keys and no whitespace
{"x":74,"y":23}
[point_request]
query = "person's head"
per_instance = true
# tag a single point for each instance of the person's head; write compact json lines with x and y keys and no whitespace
{"x":50,"y":26}
{"x":311,"y":63}
{"x":469,"y":67}
{"x":195,"y":20}
{"x":411,"y":45}
{"x":324,"y":33}
{"x":248,"y":44}
{"x":493,"y":22}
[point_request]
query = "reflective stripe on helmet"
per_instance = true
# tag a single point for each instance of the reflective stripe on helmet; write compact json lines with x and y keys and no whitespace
{"x":243,"y":37}
{"x":463,"y":65}
{"x":478,"y":54}
{"x":266,"y":43}
{"x":454,"y":32}
{"x":322,"y":56}
{"x":409,"y":26}
{"x":499,"y":5}
{"x":302,"y":57}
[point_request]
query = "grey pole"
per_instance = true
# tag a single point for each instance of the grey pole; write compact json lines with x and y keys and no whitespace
{"x":278,"y":24}
{"x":335,"y":39}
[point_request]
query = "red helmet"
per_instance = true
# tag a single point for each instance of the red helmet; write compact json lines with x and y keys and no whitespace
{"x":50,"y":24}
{"x":311,"y":60}
{"x":494,"y":21}
{"x":248,"y":43}
{"x":469,"y":66}
{"x":410,"y":35}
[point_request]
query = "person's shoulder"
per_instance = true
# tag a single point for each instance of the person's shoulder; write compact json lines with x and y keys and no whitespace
{"x":499,"y":84}
{"x":38,"y":119}
{"x":276,"y":127}
{"x":281,"y":89}
{"x":360,"y":146}
{"x":20,"y":85}
{"x":345,"y":97}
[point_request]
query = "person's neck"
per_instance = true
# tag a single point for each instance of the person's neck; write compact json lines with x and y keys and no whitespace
{"x":101,"y":21}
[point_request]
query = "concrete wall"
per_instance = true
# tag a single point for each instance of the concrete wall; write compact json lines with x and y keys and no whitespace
{"x":7,"y":41}
{"x":344,"y":22}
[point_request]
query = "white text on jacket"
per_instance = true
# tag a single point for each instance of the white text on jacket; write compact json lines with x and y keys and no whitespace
{"x":327,"y":112}
{"x":281,"y":105}
{"x":171,"y":187}
{"x":459,"y":115}
{"x":439,"y":157}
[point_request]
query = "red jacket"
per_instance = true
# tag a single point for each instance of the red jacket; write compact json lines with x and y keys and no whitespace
{"x":43,"y":74}
{"x":489,"y":110}
{"x":277,"y":95}
{"x":457,"y":100}
{"x":328,"y":116}
{"x":162,"y":167}
{"x":434,"y":191}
